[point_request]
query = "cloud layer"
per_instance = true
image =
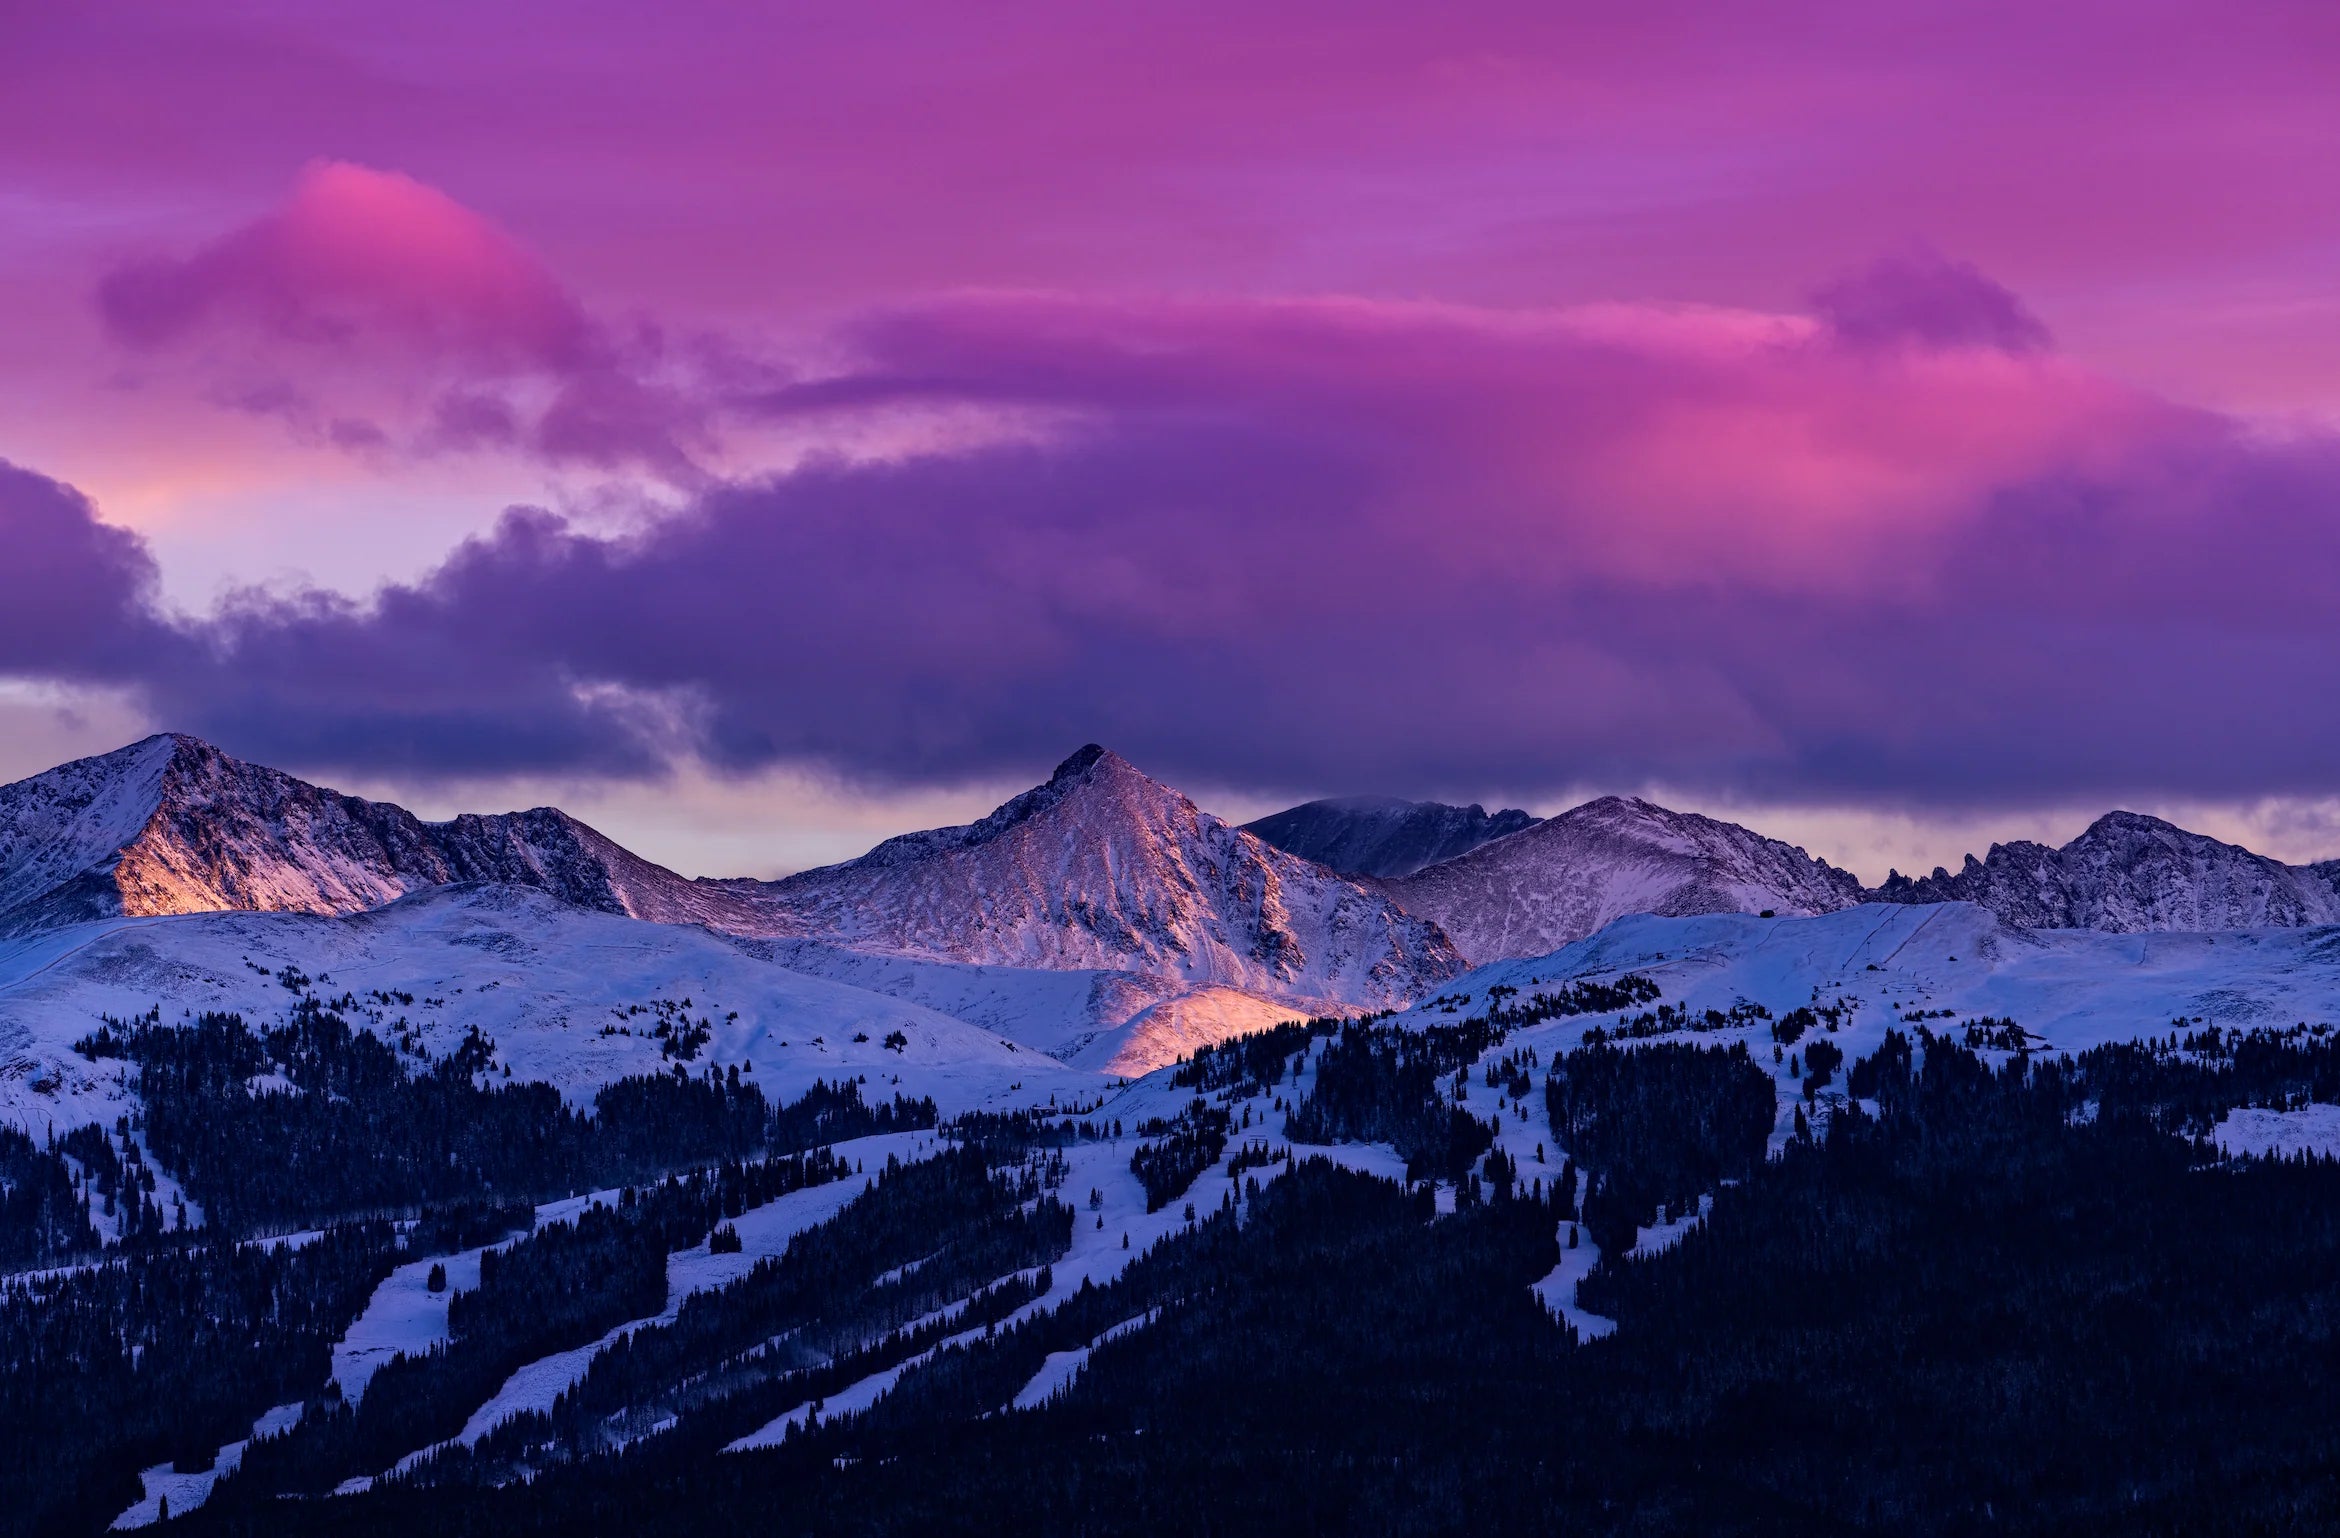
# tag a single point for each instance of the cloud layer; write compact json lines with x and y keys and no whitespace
{"x":1897,"y":550}
{"x":378,"y":314}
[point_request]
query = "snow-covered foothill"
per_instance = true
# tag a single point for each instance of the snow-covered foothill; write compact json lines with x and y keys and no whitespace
{"x":551,"y":983}
{"x":1954,"y":962}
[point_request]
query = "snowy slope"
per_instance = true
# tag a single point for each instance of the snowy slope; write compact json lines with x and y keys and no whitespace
{"x":172,"y":825}
{"x":1123,"y":1023}
{"x":1563,"y":879}
{"x":542,"y":978}
{"x":2129,"y":873}
{"x":1382,"y":835}
{"x":2074,"y":988}
{"x":1103,"y":869}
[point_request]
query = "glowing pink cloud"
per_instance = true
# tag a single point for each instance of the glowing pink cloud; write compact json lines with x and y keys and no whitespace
{"x":366,"y":291}
{"x":355,"y":258}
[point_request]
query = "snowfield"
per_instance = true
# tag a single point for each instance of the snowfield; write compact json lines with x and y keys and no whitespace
{"x":2262,"y":1133}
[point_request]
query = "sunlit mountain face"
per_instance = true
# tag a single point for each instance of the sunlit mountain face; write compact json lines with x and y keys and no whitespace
{"x":1707,"y":844}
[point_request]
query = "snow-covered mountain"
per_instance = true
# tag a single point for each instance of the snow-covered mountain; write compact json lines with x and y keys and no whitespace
{"x":173,"y":825}
{"x":1103,"y":868}
{"x":1382,"y":835}
{"x":1564,"y":878}
{"x":2129,"y":873}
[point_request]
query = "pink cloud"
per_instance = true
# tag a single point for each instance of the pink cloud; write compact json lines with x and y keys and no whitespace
{"x":376,"y":313}
{"x":358,"y":258}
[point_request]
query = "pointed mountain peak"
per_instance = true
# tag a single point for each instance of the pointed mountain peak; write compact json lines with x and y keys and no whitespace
{"x":1083,"y":758}
{"x":2138,"y":824}
{"x":1093,"y":777}
{"x":1103,"y":867}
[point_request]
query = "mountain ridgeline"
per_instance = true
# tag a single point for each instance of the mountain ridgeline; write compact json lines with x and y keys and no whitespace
{"x":172,"y":825}
{"x":2128,"y":874}
{"x":1546,"y":883}
{"x":1359,"y":903}
{"x":1563,"y":879}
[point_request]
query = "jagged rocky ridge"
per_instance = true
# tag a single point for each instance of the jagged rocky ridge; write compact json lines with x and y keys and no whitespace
{"x":172,"y":825}
{"x":1384,"y":836}
{"x":2130,"y":873}
{"x":1565,"y":878}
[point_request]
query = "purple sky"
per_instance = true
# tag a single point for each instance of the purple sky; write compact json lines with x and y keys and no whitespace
{"x":761,"y":427}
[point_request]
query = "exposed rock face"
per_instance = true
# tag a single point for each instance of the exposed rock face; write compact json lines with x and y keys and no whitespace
{"x":1382,"y":836}
{"x":172,"y":825}
{"x":1565,"y":878}
{"x":1104,"y":868}
{"x":2130,"y":873}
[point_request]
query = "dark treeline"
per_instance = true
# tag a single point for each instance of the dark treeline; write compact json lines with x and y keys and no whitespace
{"x":836,"y":1113}
{"x":1010,"y":1134}
{"x":107,"y":1369}
{"x":1182,"y":1149}
{"x":1657,"y":1126}
{"x":2014,"y":1301}
{"x":2185,"y":1082}
{"x":1673,"y":1019}
{"x":44,"y":1217}
{"x":356,"y":1133}
{"x":1577,"y":998}
{"x":1256,"y":1062}
{"x":563,"y":1286}
{"x":1382,"y":1084}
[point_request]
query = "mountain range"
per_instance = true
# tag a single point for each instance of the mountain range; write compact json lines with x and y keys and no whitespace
{"x":1560,"y":879}
{"x":1100,"y":871}
{"x":1102,"y":867}
{"x":927,"y":1133}
{"x":1100,"y":916}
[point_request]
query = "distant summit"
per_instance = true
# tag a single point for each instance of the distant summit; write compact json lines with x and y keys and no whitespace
{"x":1564,"y":878}
{"x":1382,"y":835}
{"x":2129,"y":873}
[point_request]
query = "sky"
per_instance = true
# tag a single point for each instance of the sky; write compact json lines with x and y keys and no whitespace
{"x":761,"y":429}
